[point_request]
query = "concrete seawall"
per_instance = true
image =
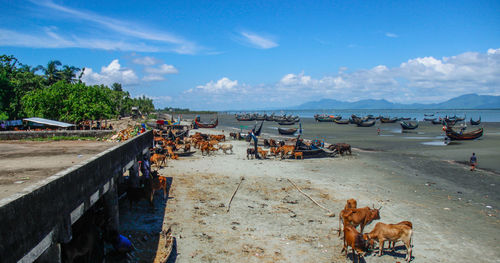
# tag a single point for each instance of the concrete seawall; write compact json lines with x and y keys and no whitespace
{"x":41,"y":216}
{"x":18,"y":135}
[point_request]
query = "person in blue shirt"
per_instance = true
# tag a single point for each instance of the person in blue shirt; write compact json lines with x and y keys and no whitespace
{"x":473,"y":162}
{"x":252,"y":135}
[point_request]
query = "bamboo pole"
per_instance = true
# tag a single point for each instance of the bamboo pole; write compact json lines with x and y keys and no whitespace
{"x":331,"y":214}
{"x":234,"y":193}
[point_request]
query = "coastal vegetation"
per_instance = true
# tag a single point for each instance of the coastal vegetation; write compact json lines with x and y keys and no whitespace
{"x":59,"y":94}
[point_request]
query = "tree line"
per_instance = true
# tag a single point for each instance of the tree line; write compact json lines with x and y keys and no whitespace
{"x":59,"y":94}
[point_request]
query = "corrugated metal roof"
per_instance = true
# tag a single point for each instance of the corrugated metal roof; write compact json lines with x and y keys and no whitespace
{"x":49,"y":122}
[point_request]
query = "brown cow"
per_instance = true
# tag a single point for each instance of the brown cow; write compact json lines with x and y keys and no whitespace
{"x":286,"y":149}
{"x":358,"y":216}
{"x":298,"y":154}
{"x":262,"y":153}
{"x":250,"y":153}
{"x":408,"y":223}
{"x":159,"y":182}
{"x":354,"y":239}
{"x":391,"y":232}
{"x":158,"y":159}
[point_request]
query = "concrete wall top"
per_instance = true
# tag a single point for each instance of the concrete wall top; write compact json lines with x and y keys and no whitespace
{"x":45,"y":208}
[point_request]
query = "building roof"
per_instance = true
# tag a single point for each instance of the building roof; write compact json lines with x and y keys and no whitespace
{"x":49,"y":122}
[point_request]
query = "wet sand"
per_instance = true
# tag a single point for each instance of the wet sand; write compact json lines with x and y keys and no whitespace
{"x":454,"y":211}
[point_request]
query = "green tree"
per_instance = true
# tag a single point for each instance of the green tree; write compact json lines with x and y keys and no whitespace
{"x":68,"y":73}
{"x":52,"y":73}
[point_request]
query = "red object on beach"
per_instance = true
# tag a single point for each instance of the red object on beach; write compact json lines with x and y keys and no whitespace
{"x":160,"y":122}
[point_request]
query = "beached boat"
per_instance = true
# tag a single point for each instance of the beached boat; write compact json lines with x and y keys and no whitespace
{"x":316,"y":153}
{"x":437,"y":122}
{"x":450,"y":122}
{"x":205,"y":125}
{"x":453,"y":135}
{"x":429,"y":119}
{"x":342,"y":121}
{"x":473,"y":122}
{"x":366,"y":123}
{"x":287,"y":122}
{"x":182,"y":154}
{"x":408,"y":125}
{"x":388,"y":120}
{"x":428,"y":115}
{"x":291,"y":131}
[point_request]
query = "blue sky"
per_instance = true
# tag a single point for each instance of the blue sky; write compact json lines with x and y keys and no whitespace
{"x":257,"y":54}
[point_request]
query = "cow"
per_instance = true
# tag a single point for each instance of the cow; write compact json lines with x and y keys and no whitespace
{"x":298,"y":154}
{"x":408,"y":223}
{"x":262,"y":153}
{"x":393,"y":233}
{"x":354,"y":239}
{"x":250,"y":153}
{"x":358,"y":216}
{"x":233,"y":135}
{"x":286,"y":149}
{"x":219,"y":138}
{"x":187,"y":147}
{"x":159,"y":182}
{"x":226,"y":147}
{"x":341,"y":148}
{"x":274,"y":151}
{"x":158,"y":159}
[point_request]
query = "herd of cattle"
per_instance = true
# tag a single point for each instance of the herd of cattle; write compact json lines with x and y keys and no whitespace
{"x":351,"y":217}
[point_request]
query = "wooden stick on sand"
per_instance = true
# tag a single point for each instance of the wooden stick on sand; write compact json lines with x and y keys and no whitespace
{"x":234,"y":193}
{"x":331,"y":214}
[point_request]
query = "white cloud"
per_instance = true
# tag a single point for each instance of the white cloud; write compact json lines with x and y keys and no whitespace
{"x":110,"y":74}
{"x":107,"y":33}
{"x":162,"y":69}
{"x":221,"y":86}
{"x":259,"y":41}
{"x":149,"y":78}
{"x":146,"y":61}
{"x":391,"y":35}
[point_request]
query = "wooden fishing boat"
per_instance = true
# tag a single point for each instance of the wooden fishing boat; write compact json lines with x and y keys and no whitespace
{"x":291,"y":131}
{"x":429,"y":119}
{"x":366,"y":123}
{"x":408,"y":125}
{"x":437,"y":122}
{"x":388,"y":120}
{"x":450,"y":122}
{"x":287,"y":122}
{"x":453,"y":135}
{"x":473,"y":122}
{"x":316,"y":153}
{"x":205,"y":125}
{"x":240,"y":118}
{"x":342,"y":121}
{"x":183,"y":154}
{"x":258,"y":131}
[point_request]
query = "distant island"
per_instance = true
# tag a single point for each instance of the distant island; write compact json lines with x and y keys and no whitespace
{"x":467,"y":101}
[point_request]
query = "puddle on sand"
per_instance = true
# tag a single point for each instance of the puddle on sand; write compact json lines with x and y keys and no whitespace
{"x":393,"y":130}
{"x":435,"y":143}
{"x":386,"y":135}
{"x":419,"y":138}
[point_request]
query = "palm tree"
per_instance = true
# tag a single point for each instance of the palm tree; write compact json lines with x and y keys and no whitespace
{"x":52,"y":73}
{"x":69,"y":73}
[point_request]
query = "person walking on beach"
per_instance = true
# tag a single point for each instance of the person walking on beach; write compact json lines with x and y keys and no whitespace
{"x":378,"y":131}
{"x":473,"y":162}
{"x":252,"y":135}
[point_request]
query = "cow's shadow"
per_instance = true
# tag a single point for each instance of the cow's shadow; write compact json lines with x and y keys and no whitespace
{"x":399,"y":252}
{"x":354,"y":258}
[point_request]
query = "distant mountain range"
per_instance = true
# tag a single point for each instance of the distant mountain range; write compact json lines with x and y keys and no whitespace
{"x":468,"y":101}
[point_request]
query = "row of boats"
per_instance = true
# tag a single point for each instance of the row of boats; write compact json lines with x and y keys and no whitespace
{"x":366,"y":121}
{"x":281,"y":120}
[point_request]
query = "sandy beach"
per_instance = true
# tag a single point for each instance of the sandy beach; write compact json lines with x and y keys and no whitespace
{"x":454,"y":211}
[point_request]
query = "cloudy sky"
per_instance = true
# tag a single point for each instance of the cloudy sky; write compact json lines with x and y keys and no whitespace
{"x":259,"y":54}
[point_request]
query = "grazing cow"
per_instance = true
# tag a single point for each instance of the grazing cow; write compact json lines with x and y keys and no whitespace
{"x":159,"y":182}
{"x":262,"y":153}
{"x":250,"y":153}
{"x":158,"y":159}
{"x":358,"y":216}
{"x":408,"y":223}
{"x":393,"y":233}
{"x":187,"y":147}
{"x":341,"y":148}
{"x":274,"y":151}
{"x":354,"y":239}
{"x":286,"y":149}
{"x":226,"y":147}
{"x":233,"y":135}
{"x":298,"y":154}
{"x":205,"y":147}
{"x":219,"y":138}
